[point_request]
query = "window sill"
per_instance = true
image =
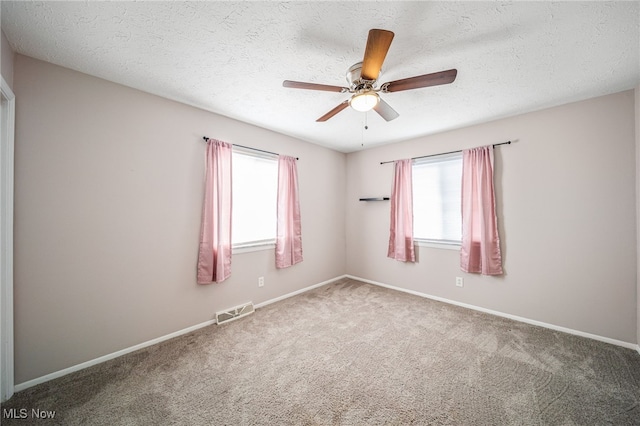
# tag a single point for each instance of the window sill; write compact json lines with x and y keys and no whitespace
{"x":253,"y":246}
{"x":437,"y":244}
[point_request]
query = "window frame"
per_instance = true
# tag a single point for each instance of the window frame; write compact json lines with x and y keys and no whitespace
{"x":430,"y":242}
{"x":263,"y":244}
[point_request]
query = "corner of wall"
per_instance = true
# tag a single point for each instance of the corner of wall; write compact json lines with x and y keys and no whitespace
{"x":637,"y":117}
{"x":7,"y":55}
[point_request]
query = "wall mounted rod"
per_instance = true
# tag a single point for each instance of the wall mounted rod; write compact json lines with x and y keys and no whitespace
{"x":445,"y":153}
{"x":206,"y":139}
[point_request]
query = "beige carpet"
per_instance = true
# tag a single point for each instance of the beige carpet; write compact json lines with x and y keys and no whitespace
{"x":351,"y":353}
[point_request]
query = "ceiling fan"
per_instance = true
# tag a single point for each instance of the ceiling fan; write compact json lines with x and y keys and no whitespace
{"x":363,"y":80}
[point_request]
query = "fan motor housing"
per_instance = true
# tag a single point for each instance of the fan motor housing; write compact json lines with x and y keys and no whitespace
{"x":355,"y":81}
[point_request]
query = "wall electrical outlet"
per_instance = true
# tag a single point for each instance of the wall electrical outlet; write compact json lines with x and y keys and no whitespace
{"x":260,"y":281}
{"x":459,"y":282}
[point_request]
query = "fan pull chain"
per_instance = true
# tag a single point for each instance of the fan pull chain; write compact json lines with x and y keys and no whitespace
{"x":365,"y":127}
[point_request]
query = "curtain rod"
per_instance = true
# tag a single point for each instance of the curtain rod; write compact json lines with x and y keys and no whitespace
{"x":248,"y":147}
{"x":445,"y":153}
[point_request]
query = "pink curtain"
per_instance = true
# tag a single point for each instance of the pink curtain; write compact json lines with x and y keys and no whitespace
{"x":214,"y":257}
{"x":401,"y":233}
{"x":480,"y":251}
{"x":289,"y":230}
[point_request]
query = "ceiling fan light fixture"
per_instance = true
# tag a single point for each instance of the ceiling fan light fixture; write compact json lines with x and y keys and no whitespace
{"x":364,"y":101}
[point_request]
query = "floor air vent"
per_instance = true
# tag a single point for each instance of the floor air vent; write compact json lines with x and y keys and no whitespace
{"x":234,"y":313}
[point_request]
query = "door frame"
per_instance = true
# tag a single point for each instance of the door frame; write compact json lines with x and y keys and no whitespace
{"x":7,"y":133}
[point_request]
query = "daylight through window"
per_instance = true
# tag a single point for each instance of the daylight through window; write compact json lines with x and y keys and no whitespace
{"x":436,"y":198}
{"x":255,"y":193}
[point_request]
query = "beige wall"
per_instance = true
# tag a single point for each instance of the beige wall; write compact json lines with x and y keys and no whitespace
{"x":566,"y":204}
{"x":107,"y":204}
{"x":6,"y":56}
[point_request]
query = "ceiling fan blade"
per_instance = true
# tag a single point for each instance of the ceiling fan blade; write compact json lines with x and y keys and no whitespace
{"x":426,"y":80}
{"x":313,"y":86}
{"x":378,"y":44}
{"x":334,"y":111}
{"x":385,"y":110}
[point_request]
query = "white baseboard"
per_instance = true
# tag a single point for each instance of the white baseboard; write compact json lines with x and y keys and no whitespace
{"x":30,"y":383}
{"x":504,"y":315}
{"x":99,"y":360}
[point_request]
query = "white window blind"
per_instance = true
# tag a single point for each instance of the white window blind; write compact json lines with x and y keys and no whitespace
{"x":437,"y":183}
{"x":255,"y":193}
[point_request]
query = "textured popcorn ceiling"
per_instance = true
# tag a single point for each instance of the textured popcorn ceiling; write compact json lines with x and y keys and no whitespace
{"x":231,"y":57}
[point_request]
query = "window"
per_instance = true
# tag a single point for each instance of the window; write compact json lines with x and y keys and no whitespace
{"x":437,"y":199}
{"x":255,"y":193}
